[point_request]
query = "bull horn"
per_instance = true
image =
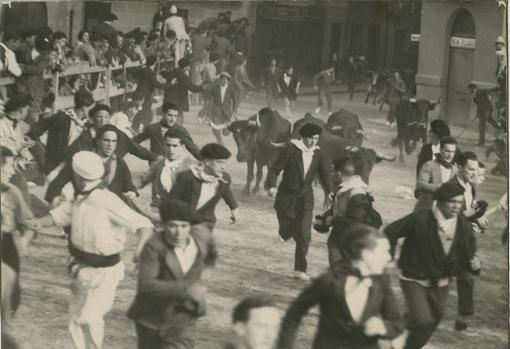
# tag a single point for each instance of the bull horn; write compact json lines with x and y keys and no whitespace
{"x":252,"y":122}
{"x":336,"y":128}
{"x":278,"y":145}
{"x":362,"y":134}
{"x":257,"y":120}
{"x":386,"y":157}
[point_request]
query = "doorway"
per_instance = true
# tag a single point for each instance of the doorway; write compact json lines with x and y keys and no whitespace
{"x":336,"y":39}
{"x":460,"y":69}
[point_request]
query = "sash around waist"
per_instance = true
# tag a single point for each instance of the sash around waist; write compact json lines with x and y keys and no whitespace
{"x":93,"y":260}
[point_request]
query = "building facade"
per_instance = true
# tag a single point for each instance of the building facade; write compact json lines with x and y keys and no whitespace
{"x":457,"y":47}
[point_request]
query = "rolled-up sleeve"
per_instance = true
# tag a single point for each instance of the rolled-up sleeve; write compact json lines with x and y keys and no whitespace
{"x":62,"y":214}
{"x":121,"y":214}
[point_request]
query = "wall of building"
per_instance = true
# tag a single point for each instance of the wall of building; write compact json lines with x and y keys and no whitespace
{"x":437,"y":18}
{"x":59,"y":17}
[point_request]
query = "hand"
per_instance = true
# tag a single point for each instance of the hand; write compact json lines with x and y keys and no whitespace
{"x":28,"y":143}
{"x":484,"y":222}
{"x":272,"y":192}
{"x":469,"y":212}
{"x":475,"y":263}
{"x":130,"y":195}
{"x":374,"y":327}
{"x":233,"y":215}
{"x":476,"y":228}
{"x":197,"y":292}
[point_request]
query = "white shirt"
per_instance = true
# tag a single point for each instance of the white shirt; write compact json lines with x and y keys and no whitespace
{"x":306,"y":153}
{"x":170,"y":171}
{"x":207,"y":191}
{"x":223,"y":90}
{"x":445,"y":227}
{"x":10,"y":137}
{"x":468,"y":193}
{"x":356,"y":295}
{"x":11,"y":65}
{"x":122,"y":122}
{"x":445,"y":173}
{"x":99,"y":221}
{"x":286,"y":79}
{"x":76,"y":125}
{"x":176,"y":24}
{"x":436,"y":148}
{"x":187,"y":255}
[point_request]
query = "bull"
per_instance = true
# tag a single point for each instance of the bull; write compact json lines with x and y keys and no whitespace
{"x":346,"y":124}
{"x":412,"y":119}
{"x":254,"y":140}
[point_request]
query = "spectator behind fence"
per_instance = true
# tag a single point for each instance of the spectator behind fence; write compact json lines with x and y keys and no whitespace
{"x":105,"y":30}
{"x":10,"y":42}
{"x":84,"y":50}
{"x":26,"y":52}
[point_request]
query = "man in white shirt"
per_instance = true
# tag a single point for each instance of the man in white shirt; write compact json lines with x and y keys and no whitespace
{"x":99,"y":221}
{"x":123,"y":120}
{"x":176,"y":24}
{"x":10,"y":42}
{"x":356,"y":303}
{"x":435,"y":172}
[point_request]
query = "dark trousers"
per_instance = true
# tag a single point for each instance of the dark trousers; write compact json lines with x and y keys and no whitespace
{"x":11,"y":258}
{"x":325,"y":93}
{"x":485,"y":115}
{"x":334,"y":250}
{"x":299,"y":228}
{"x":351,"y":87}
{"x":465,"y":293}
{"x":425,"y":306}
{"x":179,"y":336}
{"x":270,"y":96}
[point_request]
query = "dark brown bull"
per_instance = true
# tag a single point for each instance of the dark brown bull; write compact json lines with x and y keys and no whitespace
{"x":412,"y":119}
{"x":254,"y":138}
{"x":346,"y":124}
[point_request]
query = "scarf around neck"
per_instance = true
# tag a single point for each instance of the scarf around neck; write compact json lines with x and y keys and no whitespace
{"x":298,"y":143}
{"x":443,"y":162}
{"x":199,"y":172}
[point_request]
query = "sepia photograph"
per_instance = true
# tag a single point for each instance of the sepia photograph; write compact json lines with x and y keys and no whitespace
{"x":257,"y":174}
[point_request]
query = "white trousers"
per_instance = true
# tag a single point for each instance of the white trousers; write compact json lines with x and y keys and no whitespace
{"x":92,"y":296}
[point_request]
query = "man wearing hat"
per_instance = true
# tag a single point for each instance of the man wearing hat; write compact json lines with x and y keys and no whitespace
{"x":170,"y":297}
{"x":99,"y":221}
{"x":501,"y":62}
{"x":429,"y":151}
{"x":439,"y":242}
{"x":179,"y":86}
{"x":204,"y":185}
{"x":147,"y":82}
{"x":176,"y":23}
{"x":105,"y":30}
{"x":300,"y":162}
{"x":224,"y":102}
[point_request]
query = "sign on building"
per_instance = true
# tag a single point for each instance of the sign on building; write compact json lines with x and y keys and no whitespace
{"x":289,"y":13}
{"x":460,"y":42}
{"x":415,"y":37}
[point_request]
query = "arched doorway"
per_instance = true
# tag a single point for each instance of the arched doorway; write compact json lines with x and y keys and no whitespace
{"x":21,"y":15}
{"x":460,"y":68}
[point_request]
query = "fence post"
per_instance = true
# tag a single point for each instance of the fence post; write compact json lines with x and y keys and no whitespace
{"x":56,"y":76}
{"x":107,"y":85}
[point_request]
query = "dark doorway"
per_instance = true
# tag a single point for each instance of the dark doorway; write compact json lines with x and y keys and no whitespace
{"x":355,"y":44}
{"x":336,"y":38}
{"x":373,"y":46}
{"x":95,"y":12}
{"x":21,"y":15}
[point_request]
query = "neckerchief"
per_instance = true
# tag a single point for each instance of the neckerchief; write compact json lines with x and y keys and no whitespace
{"x":199,"y":172}
{"x":348,"y":270}
{"x":301,"y":146}
{"x":443,"y":162}
{"x":85,"y":192}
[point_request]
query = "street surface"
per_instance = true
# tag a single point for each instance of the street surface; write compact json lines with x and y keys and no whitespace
{"x":253,"y":260}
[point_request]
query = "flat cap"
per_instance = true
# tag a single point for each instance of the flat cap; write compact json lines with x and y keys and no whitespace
{"x":88,"y":165}
{"x":448,"y":190}
{"x":111,"y":17}
{"x":215,"y":151}
{"x":440,"y":128}
{"x":310,"y":130}
{"x":225,"y":74}
{"x":177,"y":210}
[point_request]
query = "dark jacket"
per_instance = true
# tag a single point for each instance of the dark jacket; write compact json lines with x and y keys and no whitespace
{"x":32,"y":81}
{"x":177,"y":93}
{"x":481,"y":98}
{"x":293,"y":186}
{"x":288,"y":91}
{"x":155,"y":133}
{"x":221,"y":112}
{"x":336,"y":327}
{"x":57,"y":126}
{"x":121,"y":182}
{"x":162,"y":285}
{"x":104,"y":31}
{"x":87,"y":141}
{"x":422,"y":256}
{"x":24,"y":54}
{"x":187,"y":188}
{"x":147,"y":82}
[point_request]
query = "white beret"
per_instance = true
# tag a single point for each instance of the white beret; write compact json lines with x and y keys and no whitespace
{"x":88,"y":165}
{"x":173,"y":10}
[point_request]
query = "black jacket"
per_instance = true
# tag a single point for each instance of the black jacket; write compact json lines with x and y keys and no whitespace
{"x":336,"y":327}
{"x":187,"y":188}
{"x":178,"y":93}
{"x":426,"y":155}
{"x":146,"y":82}
{"x":422,"y":256}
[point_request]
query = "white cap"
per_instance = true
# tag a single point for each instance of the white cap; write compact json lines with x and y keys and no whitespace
{"x":173,"y":10}
{"x":88,"y":165}
{"x":500,"y":40}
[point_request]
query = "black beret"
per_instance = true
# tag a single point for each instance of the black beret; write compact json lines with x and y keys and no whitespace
{"x":440,"y":128}
{"x":448,"y":190}
{"x":310,"y":130}
{"x":215,"y":151}
{"x":183,"y":62}
{"x":177,"y":210}
{"x":16,"y":102}
{"x":151,"y":60}
{"x":111,"y":17}
{"x":99,"y":107}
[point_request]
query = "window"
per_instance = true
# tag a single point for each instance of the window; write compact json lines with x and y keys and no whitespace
{"x":463,"y":25}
